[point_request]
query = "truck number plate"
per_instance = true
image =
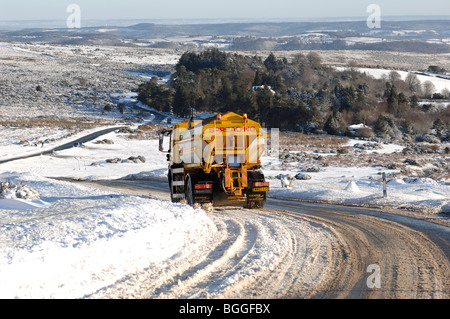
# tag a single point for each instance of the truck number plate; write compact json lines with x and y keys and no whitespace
{"x":261,"y":189}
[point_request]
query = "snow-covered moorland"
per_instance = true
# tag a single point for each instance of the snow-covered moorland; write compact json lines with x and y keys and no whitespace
{"x":63,"y":240}
{"x":74,"y":240}
{"x":349,"y":171}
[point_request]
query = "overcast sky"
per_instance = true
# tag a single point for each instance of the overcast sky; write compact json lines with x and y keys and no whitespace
{"x":212,"y":9}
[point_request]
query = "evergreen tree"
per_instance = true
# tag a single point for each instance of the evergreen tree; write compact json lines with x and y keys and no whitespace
{"x":414,"y":101}
{"x":225,"y":94}
{"x":335,"y":125}
{"x":264,"y":100}
{"x":391,"y":98}
{"x":184,"y":100}
{"x":271,"y":63}
{"x":302,"y":94}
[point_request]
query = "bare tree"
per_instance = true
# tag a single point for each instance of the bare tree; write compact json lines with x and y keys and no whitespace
{"x":428,"y":89}
{"x":299,"y":59}
{"x":394,"y":76}
{"x":445,"y":93}
{"x":309,"y":77}
{"x":413,"y":82}
{"x":314,"y":60}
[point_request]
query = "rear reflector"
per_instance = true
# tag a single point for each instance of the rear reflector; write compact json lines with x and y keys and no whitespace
{"x":260,"y":184}
{"x":203,"y":186}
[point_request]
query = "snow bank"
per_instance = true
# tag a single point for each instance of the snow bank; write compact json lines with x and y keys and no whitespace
{"x":80,"y":244}
{"x":18,"y":196}
{"x":352,"y":188}
{"x":9,"y":190}
{"x":21,"y":204}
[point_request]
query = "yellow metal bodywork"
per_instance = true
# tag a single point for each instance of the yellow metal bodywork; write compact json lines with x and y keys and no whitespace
{"x":229,"y":144}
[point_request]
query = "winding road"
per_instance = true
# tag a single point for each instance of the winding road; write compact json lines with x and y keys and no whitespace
{"x":294,"y":249}
{"x":65,"y":146}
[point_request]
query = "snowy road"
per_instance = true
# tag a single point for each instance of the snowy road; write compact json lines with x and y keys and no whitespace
{"x":297,"y":250}
{"x":110,"y":240}
{"x":65,"y":146}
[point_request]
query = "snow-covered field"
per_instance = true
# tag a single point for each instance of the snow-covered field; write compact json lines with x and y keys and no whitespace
{"x":364,"y":187}
{"x":74,"y":239}
{"x":360,"y":184}
{"x":334,"y":184}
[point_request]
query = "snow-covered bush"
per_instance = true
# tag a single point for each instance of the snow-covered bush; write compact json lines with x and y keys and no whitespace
{"x":9,"y":190}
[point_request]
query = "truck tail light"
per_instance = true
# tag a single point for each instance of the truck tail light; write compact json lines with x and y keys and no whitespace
{"x":203,"y":186}
{"x":260,"y":184}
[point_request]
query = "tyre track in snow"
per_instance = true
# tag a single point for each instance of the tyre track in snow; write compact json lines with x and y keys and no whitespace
{"x":299,"y":256}
{"x":297,"y":250}
{"x":411,"y":265}
{"x":253,"y":254}
{"x":224,"y":261}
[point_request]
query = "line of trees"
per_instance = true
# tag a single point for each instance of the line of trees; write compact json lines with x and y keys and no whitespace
{"x":296,"y":43}
{"x":301,"y":94}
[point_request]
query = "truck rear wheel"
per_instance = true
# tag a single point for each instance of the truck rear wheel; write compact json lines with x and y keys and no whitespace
{"x":254,"y":204}
{"x":189,"y":191}
{"x":255,"y":199}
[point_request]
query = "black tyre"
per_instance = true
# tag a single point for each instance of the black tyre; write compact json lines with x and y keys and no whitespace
{"x":189,"y":191}
{"x":254,"y":204}
{"x":255,"y":176}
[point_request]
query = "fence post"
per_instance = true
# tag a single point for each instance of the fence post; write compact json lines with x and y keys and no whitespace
{"x":384,"y":186}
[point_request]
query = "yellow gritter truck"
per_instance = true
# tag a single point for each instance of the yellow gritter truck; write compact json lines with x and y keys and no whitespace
{"x":216,"y":160}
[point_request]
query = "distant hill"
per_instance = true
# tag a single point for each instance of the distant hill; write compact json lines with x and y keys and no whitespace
{"x":423,"y":36}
